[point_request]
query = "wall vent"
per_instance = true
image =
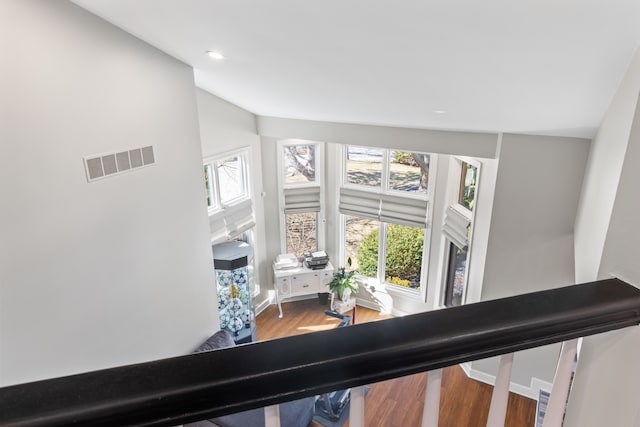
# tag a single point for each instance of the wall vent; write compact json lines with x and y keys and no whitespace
{"x":104,"y":165}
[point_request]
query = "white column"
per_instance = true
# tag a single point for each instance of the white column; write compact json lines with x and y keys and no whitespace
{"x":561,"y":383}
{"x":431,"y":409}
{"x":272,"y":416}
{"x":356,"y":412}
{"x":500,"y":396}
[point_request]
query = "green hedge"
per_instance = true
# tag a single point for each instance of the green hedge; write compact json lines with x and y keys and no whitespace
{"x":404,"y":252}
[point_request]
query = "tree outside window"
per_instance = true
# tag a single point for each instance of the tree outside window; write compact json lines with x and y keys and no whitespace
{"x":299,"y":164}
{"x":468,"y":179}
{"x":301,"y":233}
{"x":409,"y":172}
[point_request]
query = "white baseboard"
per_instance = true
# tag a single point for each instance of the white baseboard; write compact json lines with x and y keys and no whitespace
{"x":262,"y":306}
{"x":532,"y":392}
{"x":367,"y":304}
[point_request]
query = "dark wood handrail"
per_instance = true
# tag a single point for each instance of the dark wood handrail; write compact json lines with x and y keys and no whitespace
{"x":204,"y":385}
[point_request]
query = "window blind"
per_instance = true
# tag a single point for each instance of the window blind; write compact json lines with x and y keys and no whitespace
{"x":301,"y":199}
{"x":364,"y":204}
{"x":397,"y":209}
{"x":239,"y":217}
{"x":217,"y":228}
{"x":456,"y":227}
{"x":391,"y":208}
{"x":231,"y":221}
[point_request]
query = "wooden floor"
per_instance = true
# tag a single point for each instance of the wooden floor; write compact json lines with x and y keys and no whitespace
{"x":464,"y":402}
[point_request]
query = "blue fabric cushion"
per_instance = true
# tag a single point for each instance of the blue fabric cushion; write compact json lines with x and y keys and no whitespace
{"x":220,"y":339}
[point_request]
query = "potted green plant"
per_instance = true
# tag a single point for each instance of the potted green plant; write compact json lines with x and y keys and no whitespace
{"x":343,"y":282}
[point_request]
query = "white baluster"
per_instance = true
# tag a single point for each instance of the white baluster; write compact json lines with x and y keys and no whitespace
{"x":431,"y":409}
{"x":561,"y":383}
{"x":272,"y":416}
{"x":356,"y":413}
{"x":500,"y":396}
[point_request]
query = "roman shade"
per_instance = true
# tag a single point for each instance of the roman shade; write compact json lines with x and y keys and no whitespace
{"x":397,"y":209}
{"x":231,"y":220}
{"x":301,"y":199}
{"x":456,"y":227}
{"x":384,"y":207}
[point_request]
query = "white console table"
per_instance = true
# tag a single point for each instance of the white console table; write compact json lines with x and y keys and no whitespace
{"x":299,"y":281}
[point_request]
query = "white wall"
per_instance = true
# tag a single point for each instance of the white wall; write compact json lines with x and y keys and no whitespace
{"x":605,"y":391}
{"x":602,"y":175}
{"x":116,"y":271}
{"x":531,"y":240}
{"x":225,"y":127}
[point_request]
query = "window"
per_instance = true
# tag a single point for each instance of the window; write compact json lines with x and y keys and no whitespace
{"x":361,"y":242}
{"x":300,"y":164}
{"x":457,"y":228}
{"x":230,"y":207}
{"x":384,"y":200}
{"x":456,"y":276}
{"x":409,"y":172}
{"x":225,"y":179}
{"x":231,"y":177}
{"x":300,"y":182}
{"x":403,"y":255}
{"x":467,"y":192}
{"x":301,"y":232}
{"x":364,"y":166}
{"x":210,"y":185}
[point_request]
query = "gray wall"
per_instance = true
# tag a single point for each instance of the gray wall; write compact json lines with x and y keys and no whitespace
{"x":531,"y":240}
{"x":605,"y":391}
{"x":112,"y":272}
{"x":473,"y":144}
{"x":603,"y":174}
{"x":227,"y":127}
{"x":271,"y":213}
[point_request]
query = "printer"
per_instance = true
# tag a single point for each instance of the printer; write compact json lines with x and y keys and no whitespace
{"x":316,"y":260}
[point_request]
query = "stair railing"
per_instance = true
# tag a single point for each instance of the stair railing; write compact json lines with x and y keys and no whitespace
{"x":205,"y":385}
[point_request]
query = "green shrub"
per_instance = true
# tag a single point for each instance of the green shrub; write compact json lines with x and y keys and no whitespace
{"x":404,"y":253}
{"x":404,"y":158}
{"x":398,"y":281}
{"x":368,"y":255}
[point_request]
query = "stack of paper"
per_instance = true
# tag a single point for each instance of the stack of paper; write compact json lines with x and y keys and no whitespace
{"x":285,"y":261}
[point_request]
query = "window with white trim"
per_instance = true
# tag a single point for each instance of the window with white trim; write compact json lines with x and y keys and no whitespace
{"x":226,"y":178}
{"x":300,"y":179}
{"x":384,"y":202}
{"x":457,"y":229}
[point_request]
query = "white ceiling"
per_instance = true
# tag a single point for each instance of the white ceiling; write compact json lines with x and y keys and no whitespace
{"x":530,"y":66}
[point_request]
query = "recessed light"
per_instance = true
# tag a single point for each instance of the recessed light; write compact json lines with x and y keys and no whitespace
{"x":215,"y":55}
{"x":440,"y":111}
